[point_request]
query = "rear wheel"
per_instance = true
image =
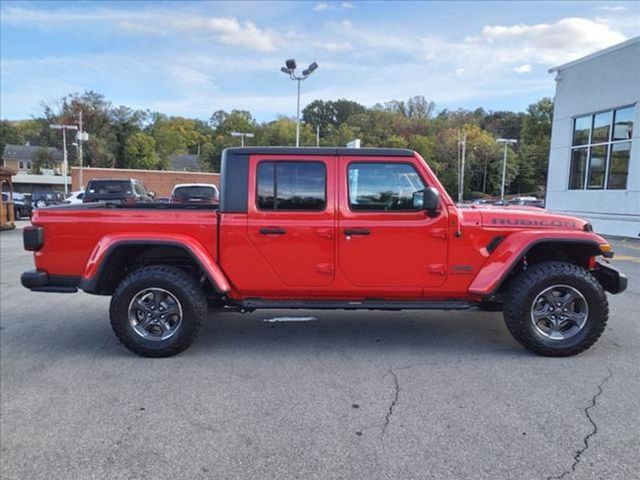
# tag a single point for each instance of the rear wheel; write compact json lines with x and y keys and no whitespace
{"x":41,"y":204}
{"x":157,"y":311}
{"x":556,"y":309}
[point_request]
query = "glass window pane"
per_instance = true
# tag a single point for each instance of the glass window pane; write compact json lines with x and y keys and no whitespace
{"x":581,"y":129}
{"x":601,"y":127}
{"x":619,"y":166}
{"x":623,"y":127}
{"x":266,"y":186}
{"x":383,"y":186}
{"x":300,"y":186}
{"x":578,"y":168}
{"x":597,"y":161}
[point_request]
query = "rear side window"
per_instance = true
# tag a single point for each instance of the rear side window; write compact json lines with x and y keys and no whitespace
{"x":291,"y":186}
{"x":383,"y":186}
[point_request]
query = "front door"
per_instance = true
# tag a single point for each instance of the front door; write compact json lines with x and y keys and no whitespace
{"x":383,"y":241}
{"x":291,"y":218}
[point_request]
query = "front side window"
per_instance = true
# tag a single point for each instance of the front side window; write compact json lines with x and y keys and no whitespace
{"x":600,"y":150}
{"x":290,"y":185}
{"x":383,"y":186}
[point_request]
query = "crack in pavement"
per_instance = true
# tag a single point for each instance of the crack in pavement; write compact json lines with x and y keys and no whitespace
{"x":396,"y":394}
{"x":594,"y":429}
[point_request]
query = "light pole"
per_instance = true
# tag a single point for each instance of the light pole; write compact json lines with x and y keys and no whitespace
{"x":65,"y":165}
{"x":290,"y":69}
{"x":242,"y":136}
{"x":506,"y":142}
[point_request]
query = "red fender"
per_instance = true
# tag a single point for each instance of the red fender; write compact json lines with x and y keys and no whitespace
{"x":191,"y":245}
{"x":515,"y":246}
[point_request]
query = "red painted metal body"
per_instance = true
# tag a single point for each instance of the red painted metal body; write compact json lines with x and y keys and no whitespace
{"x":408,"y":255}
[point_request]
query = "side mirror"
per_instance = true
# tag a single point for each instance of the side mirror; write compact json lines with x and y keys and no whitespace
{"x":152,"y":194}
{"x":427,"y":199}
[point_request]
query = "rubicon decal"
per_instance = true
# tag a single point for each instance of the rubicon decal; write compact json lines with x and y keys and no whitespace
{"x":527,"y":222}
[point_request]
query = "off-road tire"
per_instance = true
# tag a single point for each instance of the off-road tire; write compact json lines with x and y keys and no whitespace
{"x":530,"y":283}
{"x":181,"y":285}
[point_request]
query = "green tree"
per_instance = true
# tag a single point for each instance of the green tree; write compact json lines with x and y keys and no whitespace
{"x":9,"y":135}
{"x":534,"y":148}
{"x":140,"y":152}
{"x":42,"y":159}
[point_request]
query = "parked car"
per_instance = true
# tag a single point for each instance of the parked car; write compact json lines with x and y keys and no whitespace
{"x":74,"y":197}
{"x":46,"y":198}
{"x":194,"y":193}
{"x":336,"y":228}
{"x":21,"y":205}
{"x":527,"y":202}
{"x":125,"y":190}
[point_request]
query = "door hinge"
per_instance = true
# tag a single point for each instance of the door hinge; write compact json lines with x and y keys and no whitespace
{"x":325,"y":233}
{"x":438,"y":269}
{"x":439,"y":233}
{"x":326,"y":268}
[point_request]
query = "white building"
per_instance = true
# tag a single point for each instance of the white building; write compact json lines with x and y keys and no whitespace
{"x":594,"y":163}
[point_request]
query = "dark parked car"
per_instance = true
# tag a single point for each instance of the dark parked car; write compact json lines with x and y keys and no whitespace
{"x":203,"y":193}
{"x":21,"y":207}
{"x":121,"y":190}
{"x":45,"y":198}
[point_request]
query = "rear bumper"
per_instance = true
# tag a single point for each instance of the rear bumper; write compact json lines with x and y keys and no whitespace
{"x":39,"y":281}
{"x":611,"y":279}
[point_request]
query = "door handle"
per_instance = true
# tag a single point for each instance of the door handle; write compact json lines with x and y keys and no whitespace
{"x":273,"y":231}
{"x":356,"y":231}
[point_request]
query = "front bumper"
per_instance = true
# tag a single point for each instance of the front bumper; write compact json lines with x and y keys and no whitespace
{"x":39,"y":281}
{"x":611,"y":279}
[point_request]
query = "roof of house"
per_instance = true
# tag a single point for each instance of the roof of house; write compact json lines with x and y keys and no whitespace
{"x":28,"y":152}
{"x":187,"y":162}
{"x":599,"y":53}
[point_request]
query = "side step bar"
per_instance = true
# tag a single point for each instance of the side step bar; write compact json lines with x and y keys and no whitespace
{"x":257,"y":303}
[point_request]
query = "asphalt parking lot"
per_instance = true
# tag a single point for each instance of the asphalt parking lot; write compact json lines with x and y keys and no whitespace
{"x":407,"y":395}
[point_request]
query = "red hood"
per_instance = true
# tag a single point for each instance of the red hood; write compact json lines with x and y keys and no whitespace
{"x":528,"y":217}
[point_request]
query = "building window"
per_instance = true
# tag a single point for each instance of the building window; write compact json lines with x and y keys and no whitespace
{"x":21,"y":167}
{"x":600,"y":150}
{"x":288,"y":185}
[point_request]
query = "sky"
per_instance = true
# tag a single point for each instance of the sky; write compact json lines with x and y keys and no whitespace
{"x":193,"y":58}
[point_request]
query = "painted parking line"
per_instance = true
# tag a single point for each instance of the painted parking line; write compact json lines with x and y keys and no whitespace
{"x":627,"y":258}
{"x":290,"y":319}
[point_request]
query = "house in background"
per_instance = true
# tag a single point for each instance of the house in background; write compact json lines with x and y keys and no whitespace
{"x":22,"y":159}
{"x":594,"y":162}
{"x":185,"y":163}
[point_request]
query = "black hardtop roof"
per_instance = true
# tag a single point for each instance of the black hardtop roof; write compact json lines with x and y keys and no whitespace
{"x":385,"y":152}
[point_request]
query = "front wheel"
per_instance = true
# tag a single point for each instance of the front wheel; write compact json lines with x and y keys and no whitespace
{"x":556,"y":309}
{"x":41,"y":204}
{"x":156,"y":311}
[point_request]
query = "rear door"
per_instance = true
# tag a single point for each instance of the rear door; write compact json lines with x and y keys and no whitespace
{"x":383,"y":241}
{"x":291,"y":217}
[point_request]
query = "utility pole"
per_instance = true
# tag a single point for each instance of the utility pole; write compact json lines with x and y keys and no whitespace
{"x":462,"y":152}
{"x":317,"y":135}
{"x":79,"y":140}
{"x":506,"y":142}
{"x":242,"y":136}
{"x":65,"y":164}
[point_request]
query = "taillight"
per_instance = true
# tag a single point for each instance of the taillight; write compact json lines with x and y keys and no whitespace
{"x":33,"y":238}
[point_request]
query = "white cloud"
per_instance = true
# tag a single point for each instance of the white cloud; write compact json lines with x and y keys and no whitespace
{"x":334,"y":46}
{"x":526,"y":68}
{"x":567,"y":39}
{"x":459,"y":71}
{"x":611,"y":8}
{"x":320,"y":7}
{"x":348,"y":5}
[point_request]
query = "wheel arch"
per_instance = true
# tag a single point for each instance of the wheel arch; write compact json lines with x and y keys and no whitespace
{"x":113,"y":258}
{"x":511,"y":255}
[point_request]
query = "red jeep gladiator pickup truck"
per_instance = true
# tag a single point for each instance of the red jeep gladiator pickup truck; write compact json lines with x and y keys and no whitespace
{"x":325,"y":228}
